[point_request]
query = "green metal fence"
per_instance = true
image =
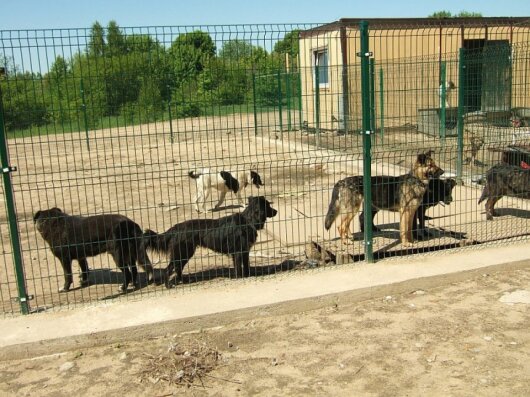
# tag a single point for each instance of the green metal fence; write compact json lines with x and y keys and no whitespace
{"x":111,"y":120}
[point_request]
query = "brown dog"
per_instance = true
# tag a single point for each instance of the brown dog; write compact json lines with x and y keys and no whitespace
{"x":402,"y":193}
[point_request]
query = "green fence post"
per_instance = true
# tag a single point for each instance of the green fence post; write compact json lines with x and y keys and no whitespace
{"x":381,"y":106}
{"x":288,"y":97}
{"x":23,"y":297}
{"x":300,"y":121}
{"x":255,"y":104}
{"x":83,"y":106}
{"x":171,"y":137}
{"x":443,"y":93}
{"x":460,"y":130}
{"x":367,"y":144}
{"x":317,"y":104}
{"x":372,"y":95}
{"x":280,"y":110}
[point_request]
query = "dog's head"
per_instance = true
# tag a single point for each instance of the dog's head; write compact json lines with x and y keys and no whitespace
{"x":255,"y":179}
{"x":425,"y":167}
{"x":441,"y":191}
{"x":40,"y":218}
{"x":258,"y":210}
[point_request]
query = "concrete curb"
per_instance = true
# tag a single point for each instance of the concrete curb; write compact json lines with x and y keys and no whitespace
{"x":194,"y":310}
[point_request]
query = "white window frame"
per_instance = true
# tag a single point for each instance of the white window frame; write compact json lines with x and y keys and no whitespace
{"x":316,"y":58}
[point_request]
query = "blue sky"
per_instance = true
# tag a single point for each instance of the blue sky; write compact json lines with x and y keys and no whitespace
{"x":38,"y":14}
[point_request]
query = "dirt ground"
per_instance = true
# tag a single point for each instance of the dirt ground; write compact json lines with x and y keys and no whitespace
{"x":138,"y":172}
{"x":454,"y":340}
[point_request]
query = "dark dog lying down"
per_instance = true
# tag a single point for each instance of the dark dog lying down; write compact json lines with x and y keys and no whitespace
{"x":504,"y":180}
{"x":76,"y":237}
{"x":232,"y":235}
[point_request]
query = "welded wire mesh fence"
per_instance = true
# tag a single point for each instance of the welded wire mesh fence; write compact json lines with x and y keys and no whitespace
{"x":144,"y":122}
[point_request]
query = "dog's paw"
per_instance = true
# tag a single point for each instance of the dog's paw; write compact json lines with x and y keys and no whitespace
{"x":64,"y":289}
{"x":406,"y":244}
{"x":85,"y":283}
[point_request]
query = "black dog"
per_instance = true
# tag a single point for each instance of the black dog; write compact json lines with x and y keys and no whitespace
{"x":504,"y":180}
{"x":76,"y":237}
{"x":439,"y":191}
{"x":232,"y":235}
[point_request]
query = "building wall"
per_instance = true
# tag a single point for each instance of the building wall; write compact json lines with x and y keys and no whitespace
{"x":410,"y":61}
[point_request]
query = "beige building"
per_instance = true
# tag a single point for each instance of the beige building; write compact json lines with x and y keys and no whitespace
{"x":409,"y":56}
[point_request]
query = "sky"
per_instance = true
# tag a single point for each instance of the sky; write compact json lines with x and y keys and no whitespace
{"x":41,"y":14}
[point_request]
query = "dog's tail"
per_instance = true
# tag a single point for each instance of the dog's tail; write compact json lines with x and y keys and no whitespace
{"x":334,"y":208}
{"x":194,"y":174}
{"x":130,"y":236}
{"x":485,"y":194}
{"x":154,"y":241}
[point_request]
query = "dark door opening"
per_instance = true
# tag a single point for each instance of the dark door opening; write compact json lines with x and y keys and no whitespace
{"x":487,"y":75}
{"x":473,"y":74}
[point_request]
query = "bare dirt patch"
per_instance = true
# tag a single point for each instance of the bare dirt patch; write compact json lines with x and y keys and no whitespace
{"x":458,"y":339}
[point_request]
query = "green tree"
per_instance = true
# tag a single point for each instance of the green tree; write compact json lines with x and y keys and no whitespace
{"x":289,"y":44}
{"x":461,"y":14}
{"x":189,"y":53}
{"x":96,"y":44}
{"x":236,"y":49}
{"x":468,"y":14}
{"x":115,"y":40}
{"x":441,"y":14}
{"x":23,"y":108}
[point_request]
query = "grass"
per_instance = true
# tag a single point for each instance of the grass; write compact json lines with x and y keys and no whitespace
{"x":121,"y":121}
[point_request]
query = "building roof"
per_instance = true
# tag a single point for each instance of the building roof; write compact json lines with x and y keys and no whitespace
{"x":416,"y":23}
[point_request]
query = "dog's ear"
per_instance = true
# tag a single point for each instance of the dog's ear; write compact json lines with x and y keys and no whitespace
{"x":422,"y":159}
{"x":256,"y":179}
{"x":36,"y":216}
{"x":55,"y":211}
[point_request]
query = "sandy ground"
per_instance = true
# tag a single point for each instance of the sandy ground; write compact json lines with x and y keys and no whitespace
{"x":138,"y":172}
{"x":460,"y":339}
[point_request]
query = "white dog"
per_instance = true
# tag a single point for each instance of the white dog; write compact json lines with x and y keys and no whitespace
{"x":223,"y":181}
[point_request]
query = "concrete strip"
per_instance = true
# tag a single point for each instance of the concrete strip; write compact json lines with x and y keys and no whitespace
{"x":289,"y":292}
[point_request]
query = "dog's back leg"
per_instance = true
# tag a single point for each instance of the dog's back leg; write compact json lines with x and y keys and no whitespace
{"x":361,"y":220}
{"x":490,"y":204}
{"x":66,"y":263}
{"x":221,"y":199}
{"x":241,"y":264}
{"x":240,"y":198}
{"x":83,"y":264}
{"x":121,"y":263}
{"x":179,"y":257}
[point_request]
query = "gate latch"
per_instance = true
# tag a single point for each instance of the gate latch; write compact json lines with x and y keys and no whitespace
{"x":7,"y":170}
{"x":368,"y":54}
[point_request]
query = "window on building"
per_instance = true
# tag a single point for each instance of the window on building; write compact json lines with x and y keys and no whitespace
{"x":321,"y":60}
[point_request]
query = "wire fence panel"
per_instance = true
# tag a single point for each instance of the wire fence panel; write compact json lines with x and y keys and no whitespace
{"x":152,"y":139}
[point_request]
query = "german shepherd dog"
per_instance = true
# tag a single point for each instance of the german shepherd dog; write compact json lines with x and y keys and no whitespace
{"x":76,"y":237}
{"x":232,"y":235}
{"x":504,"y":180}
{"x":402,"y":193}
{"x":438,"y":191}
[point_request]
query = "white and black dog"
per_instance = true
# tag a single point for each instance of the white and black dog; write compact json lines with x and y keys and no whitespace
{"x":223,"y":181}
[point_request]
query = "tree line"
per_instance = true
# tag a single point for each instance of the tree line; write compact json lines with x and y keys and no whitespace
{"x":136,"y":77}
